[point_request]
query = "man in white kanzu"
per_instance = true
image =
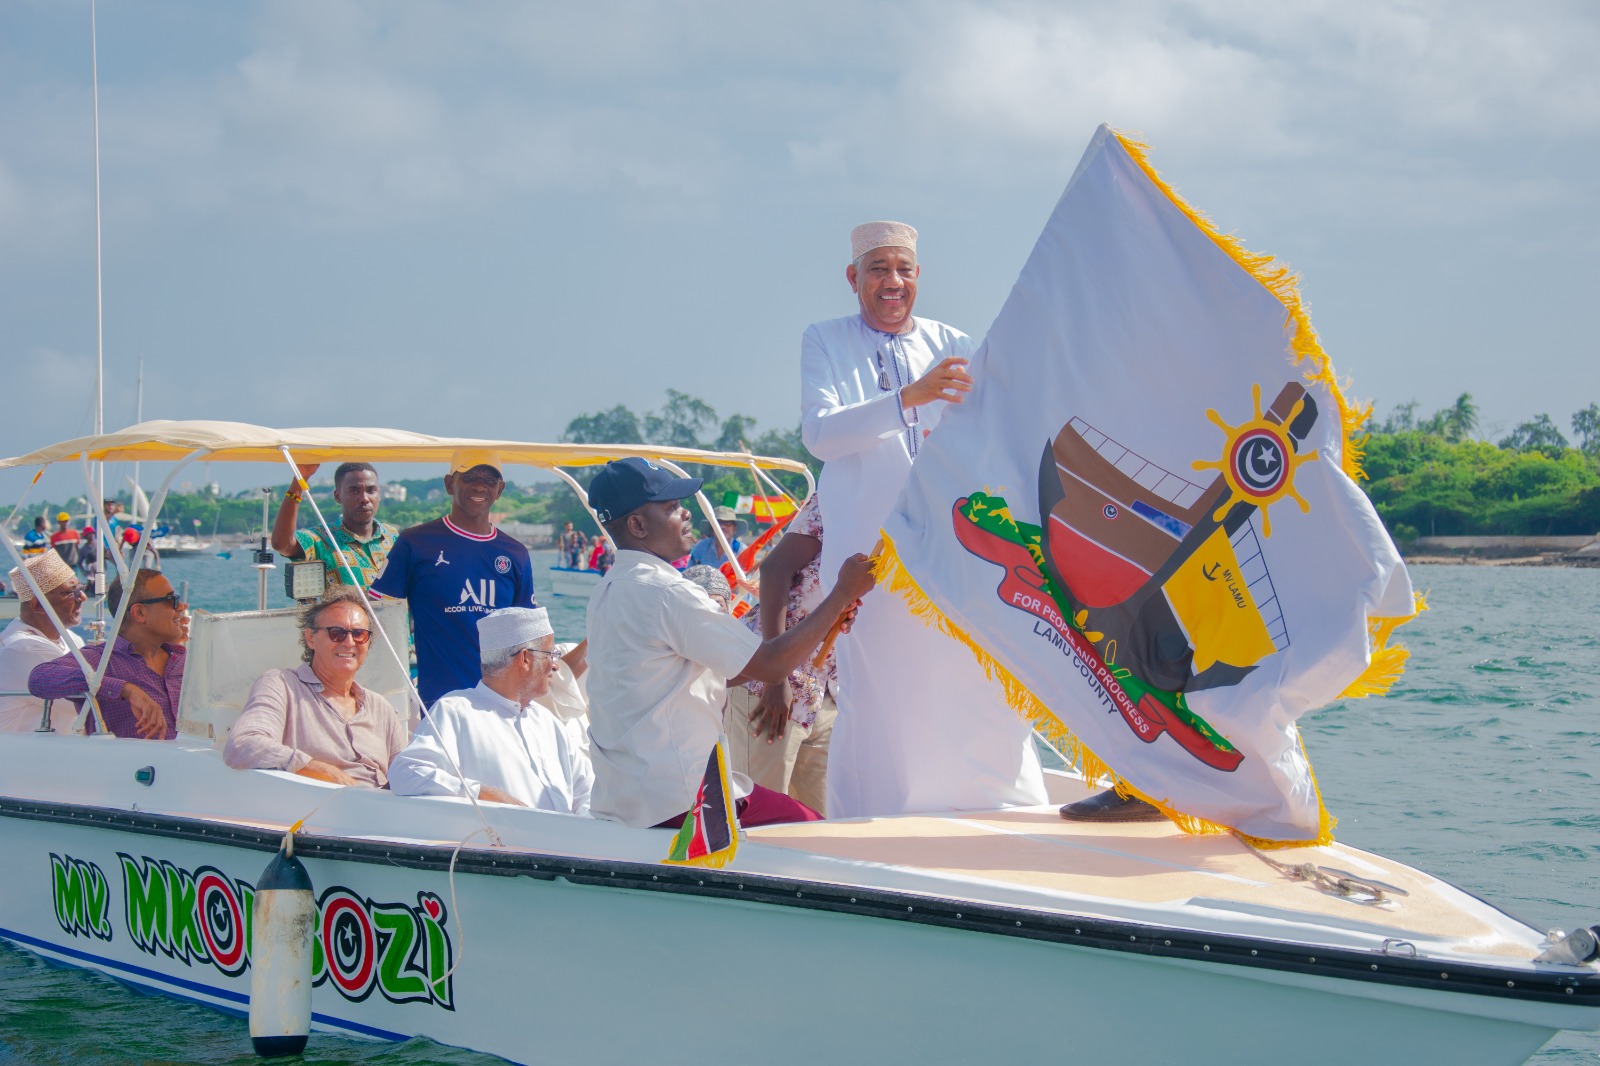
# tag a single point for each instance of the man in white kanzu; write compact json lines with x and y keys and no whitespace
{"x":494,"y":739}
{"x":920,"y":728}
{"x":32,"y":638}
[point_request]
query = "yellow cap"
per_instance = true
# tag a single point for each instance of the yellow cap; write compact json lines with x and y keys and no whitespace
{"x":466,"y":458}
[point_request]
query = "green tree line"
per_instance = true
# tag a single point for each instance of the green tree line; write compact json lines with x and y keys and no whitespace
{"x":1435,"y":476}
{"x":685,"y":421}
{"x":1430,"y":475}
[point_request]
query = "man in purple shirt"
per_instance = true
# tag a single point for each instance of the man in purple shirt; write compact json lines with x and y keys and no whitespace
{"x":139,"y":694}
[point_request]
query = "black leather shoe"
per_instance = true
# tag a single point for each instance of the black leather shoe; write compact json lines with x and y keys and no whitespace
{"x":1107,"y":806}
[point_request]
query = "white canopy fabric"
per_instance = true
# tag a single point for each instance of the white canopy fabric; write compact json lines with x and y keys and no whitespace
{"x":240,"y":442}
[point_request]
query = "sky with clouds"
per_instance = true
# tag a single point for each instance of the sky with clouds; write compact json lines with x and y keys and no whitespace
{"x":485,"y":218}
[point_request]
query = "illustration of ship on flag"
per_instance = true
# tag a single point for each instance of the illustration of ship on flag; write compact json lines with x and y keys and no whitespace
{"x":1144,"y":520}
{"x":710,"y":832}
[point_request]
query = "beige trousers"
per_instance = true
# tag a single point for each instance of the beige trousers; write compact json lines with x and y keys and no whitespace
{"x":795,"y":764}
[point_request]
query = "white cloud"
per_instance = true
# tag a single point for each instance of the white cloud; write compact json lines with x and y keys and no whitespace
{"x":337,"y":124}
{"x":350,"y":113}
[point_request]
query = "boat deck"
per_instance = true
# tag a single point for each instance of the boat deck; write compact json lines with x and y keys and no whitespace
{"x":1155,"y":864}
{"x":1019,"y":865}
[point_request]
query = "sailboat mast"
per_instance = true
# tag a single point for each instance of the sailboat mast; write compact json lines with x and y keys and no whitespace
{"x":138,"y":417}
{"x":105,"y":545}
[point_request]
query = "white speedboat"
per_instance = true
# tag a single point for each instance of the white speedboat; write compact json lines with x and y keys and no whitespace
{"x":974,"y":936}
{"x":573,"y":581}
{"x":182,"y":545}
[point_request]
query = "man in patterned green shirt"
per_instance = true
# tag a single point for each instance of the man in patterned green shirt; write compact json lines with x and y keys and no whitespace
{"x":363,"y":539}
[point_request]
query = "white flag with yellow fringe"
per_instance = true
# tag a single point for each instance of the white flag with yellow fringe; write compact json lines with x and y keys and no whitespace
{"x":1144,"y":519}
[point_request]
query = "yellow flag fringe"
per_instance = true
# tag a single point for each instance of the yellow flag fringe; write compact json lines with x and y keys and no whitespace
{"x":893,"y":576}
{"x":714,"y":861}
{"x":1387,"y":663}
{"x":1286,"y":287}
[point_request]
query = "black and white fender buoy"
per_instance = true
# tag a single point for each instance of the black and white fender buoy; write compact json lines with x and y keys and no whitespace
{"x":285,"y":922}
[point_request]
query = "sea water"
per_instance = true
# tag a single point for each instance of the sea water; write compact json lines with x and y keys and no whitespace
{"x":1480,"y":767}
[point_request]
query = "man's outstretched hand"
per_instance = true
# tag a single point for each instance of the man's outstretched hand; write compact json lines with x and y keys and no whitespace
{"x":855,"y":577}
{"x":948,"y":380}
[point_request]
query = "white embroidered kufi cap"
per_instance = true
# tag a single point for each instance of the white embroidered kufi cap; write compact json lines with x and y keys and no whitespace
{"x":512,"y":627}
{"x":869,"y":235}
{"x":49,"y":570}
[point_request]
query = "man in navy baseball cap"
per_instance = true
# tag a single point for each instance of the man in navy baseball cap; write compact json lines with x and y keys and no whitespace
{"x":625,"y":485}
{"x":662,"y":655}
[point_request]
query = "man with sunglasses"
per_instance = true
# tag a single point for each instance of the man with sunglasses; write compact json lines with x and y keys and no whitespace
{"x":139,"y":694}
{"x":453,"y":571}
{"x":33,"y":638}
{"x":493,"y":740}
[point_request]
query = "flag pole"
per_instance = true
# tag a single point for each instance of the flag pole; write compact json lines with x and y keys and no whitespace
{"x":826,"y":646}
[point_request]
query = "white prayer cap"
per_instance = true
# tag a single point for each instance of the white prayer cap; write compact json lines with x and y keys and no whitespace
{"x":512,"y":627}
{"x":49,"y":570}
{"x":869,"y":235}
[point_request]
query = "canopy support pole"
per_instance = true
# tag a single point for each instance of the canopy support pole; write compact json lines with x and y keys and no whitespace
{"x":762,"y":478}
{"x":61,"y":628}
{"x":405,"y":667}
{"x":102,"y":532}
{"x":12,"y":517}
{"x":716,"y":529}
{"x":134,"y":566}
{"x":583,"y":497}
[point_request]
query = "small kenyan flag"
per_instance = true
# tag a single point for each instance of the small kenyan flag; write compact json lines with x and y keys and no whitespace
{"x":710,"y":833}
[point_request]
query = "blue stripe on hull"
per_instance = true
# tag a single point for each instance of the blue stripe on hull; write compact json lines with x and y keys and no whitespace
{"x":100,"y":961}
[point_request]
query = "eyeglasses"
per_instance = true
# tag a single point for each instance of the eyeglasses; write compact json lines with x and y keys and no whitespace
{"x":170,"y":599}
{"x":339,"y":634}
{"x":68,"y":592}
{"x":550,"y":656}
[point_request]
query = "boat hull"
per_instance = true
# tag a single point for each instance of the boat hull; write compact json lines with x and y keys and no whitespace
{"x":567,"y":959}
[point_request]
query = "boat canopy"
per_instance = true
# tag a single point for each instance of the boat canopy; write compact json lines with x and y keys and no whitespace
{"x":163,"y":440}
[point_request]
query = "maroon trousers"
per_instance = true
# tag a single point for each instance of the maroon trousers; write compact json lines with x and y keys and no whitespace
{"x":761,"y":807}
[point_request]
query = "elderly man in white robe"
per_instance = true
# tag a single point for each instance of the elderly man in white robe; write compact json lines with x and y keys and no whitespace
{"x":919,"y":728}
{"x":494,"y":740}
{"x":33,"y":638}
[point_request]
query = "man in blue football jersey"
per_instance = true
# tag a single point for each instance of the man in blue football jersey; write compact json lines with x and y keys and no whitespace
{"x":453,"y":571}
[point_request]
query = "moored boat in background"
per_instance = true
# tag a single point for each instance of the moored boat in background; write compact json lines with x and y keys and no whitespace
{"x":573,"y":581}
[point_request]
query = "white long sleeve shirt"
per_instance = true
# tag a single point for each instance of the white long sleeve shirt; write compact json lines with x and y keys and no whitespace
{"x":660,"y":654}
{"x":859,"y":428}
{"x":525,"y":751}
{"x":920,"y":727}
{"x":23,"y":647}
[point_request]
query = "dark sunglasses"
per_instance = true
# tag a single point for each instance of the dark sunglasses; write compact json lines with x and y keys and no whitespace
{"x":339,"y":634}
{"x":170,"y":599}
